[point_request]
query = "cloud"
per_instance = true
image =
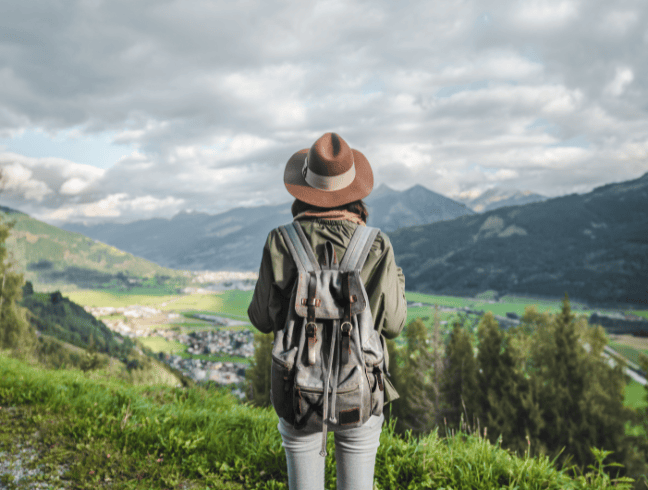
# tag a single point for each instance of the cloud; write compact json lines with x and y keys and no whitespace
{"x":623,"y":77}
{"x":18,"y":180}
{"x":210,"y":99}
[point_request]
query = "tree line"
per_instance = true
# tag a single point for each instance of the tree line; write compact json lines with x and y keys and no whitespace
{"x":541,"y":387}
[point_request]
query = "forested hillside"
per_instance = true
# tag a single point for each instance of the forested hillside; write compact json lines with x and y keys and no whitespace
{"x":594,"y":246}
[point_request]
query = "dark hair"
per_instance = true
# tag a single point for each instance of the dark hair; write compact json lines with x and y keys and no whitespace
{"x":358,"y":207}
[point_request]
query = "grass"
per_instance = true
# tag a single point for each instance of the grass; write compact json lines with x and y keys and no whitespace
{"x":216,"y":357}
{"x":232,"y":303}
{"x":506,"y":304}
{"x":95,"y":298}
{"x":160,"y":344}
{"x":642,"y":313}
{"x":155,"y":437}
{"x":635,"y":395}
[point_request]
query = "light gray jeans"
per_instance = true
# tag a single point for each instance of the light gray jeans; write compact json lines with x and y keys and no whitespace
{"x":355,"y":456}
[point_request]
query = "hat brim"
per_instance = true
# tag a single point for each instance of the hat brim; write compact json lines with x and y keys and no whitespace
{"x":298,"y":187}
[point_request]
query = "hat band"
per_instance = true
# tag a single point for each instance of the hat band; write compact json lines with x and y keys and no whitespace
{"x":328,"y":182}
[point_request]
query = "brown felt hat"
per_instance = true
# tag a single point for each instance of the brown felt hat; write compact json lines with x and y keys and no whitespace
{"x":329,"y":174}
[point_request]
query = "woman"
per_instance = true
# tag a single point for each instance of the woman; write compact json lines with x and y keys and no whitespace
{"x":329,"y":181}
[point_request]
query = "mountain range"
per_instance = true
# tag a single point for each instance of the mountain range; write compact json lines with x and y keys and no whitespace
{"x":233,"y":240}
{"x":499,"y":197}
{"x":593,"y":246}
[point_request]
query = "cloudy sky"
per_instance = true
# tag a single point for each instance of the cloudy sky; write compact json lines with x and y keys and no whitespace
{"x":120,"y":110}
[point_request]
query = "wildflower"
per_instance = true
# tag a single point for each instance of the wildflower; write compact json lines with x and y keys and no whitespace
{"x":107,"y":455}
{"x":92,"y":472}
{"x":159,"y":460}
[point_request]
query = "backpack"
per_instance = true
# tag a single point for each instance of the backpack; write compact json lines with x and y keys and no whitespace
{"x":328,"y":339}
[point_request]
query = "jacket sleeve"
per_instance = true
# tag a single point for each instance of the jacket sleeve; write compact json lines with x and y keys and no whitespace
{"x":269,"y":305}
{"x":385,"y":284}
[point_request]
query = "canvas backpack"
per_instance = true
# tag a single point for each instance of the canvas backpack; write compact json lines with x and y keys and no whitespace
{"x":328,"y":339}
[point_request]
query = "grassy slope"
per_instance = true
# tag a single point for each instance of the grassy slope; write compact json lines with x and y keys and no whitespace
{"x":57,"y":258}
{"x":160,"y":437}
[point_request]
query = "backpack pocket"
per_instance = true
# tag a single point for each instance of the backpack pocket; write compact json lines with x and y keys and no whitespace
{"x":376,"y":380}
{"x":352,"y":408}
{"x":281,"y":389}
{"x":374,"y":357}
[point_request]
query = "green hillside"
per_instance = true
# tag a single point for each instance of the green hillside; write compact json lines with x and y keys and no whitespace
{"x":593,"y":246}
{"x":52,"y":258}
{"x":58,"y":317}
{"x":152,"y":437}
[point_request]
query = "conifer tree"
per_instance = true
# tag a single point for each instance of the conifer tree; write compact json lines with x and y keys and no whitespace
{"x":563,"y":384}
{"x":602,"y":405}
{"x":258,"y":375}
{"x":460,"y":378}
{"x":15,"y":332}
{"x":437,"y":351}
{"x":418,"y":412}
{"x":395,"y":377}
{"x":502,"y":388}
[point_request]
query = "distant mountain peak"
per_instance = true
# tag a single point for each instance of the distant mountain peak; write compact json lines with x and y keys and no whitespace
{"x":497,"y":197}
{"x":382,"y":190}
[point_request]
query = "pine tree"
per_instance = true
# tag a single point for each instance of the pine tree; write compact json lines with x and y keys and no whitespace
{"x":502,"y":388}
{"x":602,"y":406}
{"x":563,"y":385}
{"x":395,"y":377}
{"x":258,"y":375}
{"x":437,"y":351}
{"x":418,"y":412}
{"x":460,"y":379}
{"x":15,"y":332}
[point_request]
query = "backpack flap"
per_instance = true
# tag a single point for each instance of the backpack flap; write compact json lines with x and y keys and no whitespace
{"x":330,"y":295}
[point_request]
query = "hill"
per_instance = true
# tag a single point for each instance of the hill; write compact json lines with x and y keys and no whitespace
{"x":53,"y":258}
{"x":160,"y":437}
{"x":58,"y":317}
{"x":233,"y":240}
{"x":594,"y":246}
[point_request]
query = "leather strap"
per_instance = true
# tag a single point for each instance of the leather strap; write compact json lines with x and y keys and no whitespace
{"x":311,"y":326}
{"x":346,"y":326}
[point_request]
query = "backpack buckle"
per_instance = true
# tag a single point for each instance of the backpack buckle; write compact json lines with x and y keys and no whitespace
{"x":346,"y":328}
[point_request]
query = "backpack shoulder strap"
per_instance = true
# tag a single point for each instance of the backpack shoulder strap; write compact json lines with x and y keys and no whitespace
{"x":299,"y":247}
{"x":359,"y":247}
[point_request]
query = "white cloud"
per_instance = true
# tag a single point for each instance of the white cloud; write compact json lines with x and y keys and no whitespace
{"x":622,"y":78}
{"x":114,"y":206}
{"x":16,"y":179}
{"x":211,"y":99}
{"x":73,"y":186}
{"x":554,"y":13}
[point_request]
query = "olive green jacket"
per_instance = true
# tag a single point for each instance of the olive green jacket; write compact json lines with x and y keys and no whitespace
{"x":384,"y":282}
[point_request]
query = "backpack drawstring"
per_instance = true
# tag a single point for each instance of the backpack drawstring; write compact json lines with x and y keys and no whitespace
{"x":327,"y":379}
